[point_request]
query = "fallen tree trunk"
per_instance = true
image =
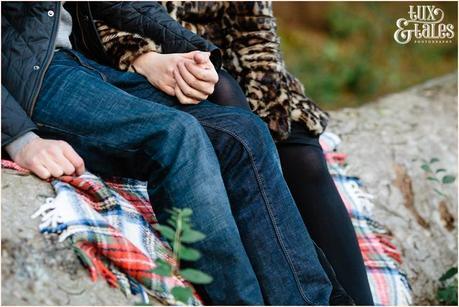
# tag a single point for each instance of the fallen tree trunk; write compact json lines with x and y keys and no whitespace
{"x":386,"y":142}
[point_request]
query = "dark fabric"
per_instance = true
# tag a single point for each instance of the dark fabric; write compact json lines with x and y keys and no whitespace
{"x":325,"y":215}
{"x":14,"y":119}
{"x":228,"y":92}
{"x":300,"y":135}
{"x":319,"y":202}
{"x":146,"y":18}
{"x":29,"y":31}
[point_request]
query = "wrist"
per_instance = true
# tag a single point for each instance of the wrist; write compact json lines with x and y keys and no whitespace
{"x":140,"y":63}
{"x":15,"y":147}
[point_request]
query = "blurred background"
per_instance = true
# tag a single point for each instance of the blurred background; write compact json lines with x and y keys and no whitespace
{"x":345,"y":54}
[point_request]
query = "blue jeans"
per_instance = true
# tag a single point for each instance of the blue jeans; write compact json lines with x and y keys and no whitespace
{"x":219,"y":161}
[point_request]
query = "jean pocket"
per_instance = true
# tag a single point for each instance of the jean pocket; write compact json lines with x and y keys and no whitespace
{"x":84,"y":62}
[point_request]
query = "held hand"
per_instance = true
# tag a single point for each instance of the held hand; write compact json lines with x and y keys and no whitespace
{"x":158,"y":69}
{"x":189,"y":76}
{"x":47,"y":158}
{"x":196,"y":78}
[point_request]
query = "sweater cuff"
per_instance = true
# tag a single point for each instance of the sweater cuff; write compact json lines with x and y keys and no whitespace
{"x":15,"y":146}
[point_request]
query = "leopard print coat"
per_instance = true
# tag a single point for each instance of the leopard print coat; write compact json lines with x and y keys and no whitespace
{"x":246,"y":34}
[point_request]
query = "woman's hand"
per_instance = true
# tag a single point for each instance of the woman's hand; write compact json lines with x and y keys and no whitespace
{"x":46,"y":158}
{"x":196,"y":78}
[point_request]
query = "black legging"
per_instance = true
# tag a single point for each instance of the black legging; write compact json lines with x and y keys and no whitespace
{"x":317,"y":198}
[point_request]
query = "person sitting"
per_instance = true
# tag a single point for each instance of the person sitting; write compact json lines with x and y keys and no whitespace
{"x":64,"y":109}
{"x":254,"y":77}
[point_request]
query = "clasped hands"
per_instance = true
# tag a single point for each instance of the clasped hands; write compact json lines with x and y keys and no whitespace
{"x":191,"y":77}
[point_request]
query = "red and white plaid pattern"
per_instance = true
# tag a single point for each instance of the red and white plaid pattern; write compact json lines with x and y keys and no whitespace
{"x":109,"y":223}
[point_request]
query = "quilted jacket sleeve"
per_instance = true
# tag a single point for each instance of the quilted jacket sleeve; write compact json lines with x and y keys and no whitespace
{"x":124,"y":47}
{"x":252,"y":55}
{"x":15,"y":121}
{"x":149,"y":19}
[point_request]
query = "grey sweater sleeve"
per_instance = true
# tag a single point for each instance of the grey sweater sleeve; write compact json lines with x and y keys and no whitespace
{"x":15,"y":146}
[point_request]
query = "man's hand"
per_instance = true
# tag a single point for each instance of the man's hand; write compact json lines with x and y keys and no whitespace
{"x":196,"y":78}
{"x":158,"y":69}
{"x":47,"y":158}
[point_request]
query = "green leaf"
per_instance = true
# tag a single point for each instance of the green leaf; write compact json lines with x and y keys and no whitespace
{"x":433,"y":160}
{"x":442,"y":295}
{"x":187,"y":212}
{"x":162,"y":268}
{"x":450,"y":273}
{"x":426,"y":168}
{"x":448,"y":295}
{"x":182,"y":294}
{"x":191,"y":236}
{"x":171,"y":222}
{"x":166,"y":231}
{"x":185,"y":227}
{"x":439,"y":192}
{"x":171,"y":212}
{"x":195,"y":276}
{"x":189,"y":254}
{"x":440,"y":170}
{"x":448,"y":179}
{"x":433,"y":179}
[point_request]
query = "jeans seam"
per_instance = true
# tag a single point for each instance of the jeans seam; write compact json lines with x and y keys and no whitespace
{"x":87,"y":138}
{"x":82,"y":63}
{"x":268,"y":205}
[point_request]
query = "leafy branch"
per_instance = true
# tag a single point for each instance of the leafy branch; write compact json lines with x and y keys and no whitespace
{"x":437,"y":176}
{"x":447,"y":292}
{"x":178,"y":232}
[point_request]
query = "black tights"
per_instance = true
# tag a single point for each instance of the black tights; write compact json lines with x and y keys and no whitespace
{"x":321,"y":207}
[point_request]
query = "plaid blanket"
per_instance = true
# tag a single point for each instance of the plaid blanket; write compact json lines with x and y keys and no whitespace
{"x":110,"y":224}
{"x":389,"y":285}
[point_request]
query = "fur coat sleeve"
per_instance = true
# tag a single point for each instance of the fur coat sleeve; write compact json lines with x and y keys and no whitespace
{"x":246,"y":34}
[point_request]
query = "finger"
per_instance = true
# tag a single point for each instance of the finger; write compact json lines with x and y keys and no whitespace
{"x":190,"y":55}
{"x":55,"y":169}
{"x":202,"y":57}
{"x":169,"y":90}
{"x":65,"y":164}
{"x":74,"y":158}
{"x":41,"y":171}
{"x":182,"y":98}
{"x":186,"y":89}
{"x":192,"y":81}
{"x":209,"y":75}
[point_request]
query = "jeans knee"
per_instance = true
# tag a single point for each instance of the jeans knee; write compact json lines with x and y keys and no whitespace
{"x":253,"y":131}
{"x":175,"y":134}
{"x":245,"y":137}
{"x":186,"y":125}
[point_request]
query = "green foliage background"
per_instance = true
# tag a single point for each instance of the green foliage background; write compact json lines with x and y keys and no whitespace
{"x":345,"y":54}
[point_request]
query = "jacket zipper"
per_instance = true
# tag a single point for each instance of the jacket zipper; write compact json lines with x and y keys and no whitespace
{"x":86,"y":45}
{"x":49,"y":58}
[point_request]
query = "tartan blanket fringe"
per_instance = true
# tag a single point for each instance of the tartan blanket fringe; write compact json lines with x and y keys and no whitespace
{"x":112,"y":235}
{"x":388,"y":283}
